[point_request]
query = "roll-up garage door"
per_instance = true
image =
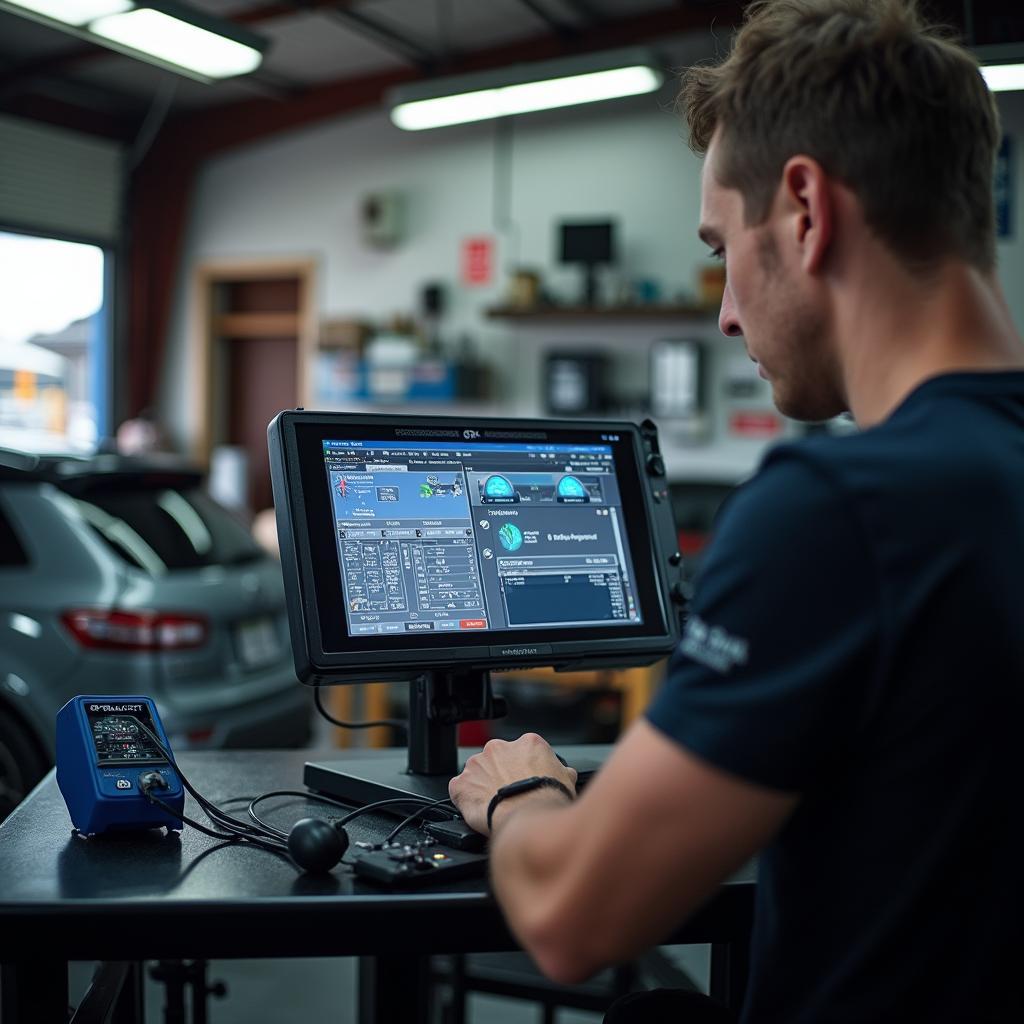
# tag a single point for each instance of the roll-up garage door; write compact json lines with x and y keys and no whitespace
{"x":59,"y":182}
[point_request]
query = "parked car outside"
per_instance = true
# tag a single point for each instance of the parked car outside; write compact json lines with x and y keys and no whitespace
{"x":122,"y":576}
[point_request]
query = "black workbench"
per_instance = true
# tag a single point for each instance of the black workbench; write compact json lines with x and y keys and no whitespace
{"x":158,"y":896}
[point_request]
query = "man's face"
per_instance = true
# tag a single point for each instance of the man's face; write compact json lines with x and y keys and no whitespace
{"x":771,"y":301}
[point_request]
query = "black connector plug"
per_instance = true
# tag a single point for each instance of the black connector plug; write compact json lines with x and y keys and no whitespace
{"x":456,"y":834}
{"x":152,"y":780}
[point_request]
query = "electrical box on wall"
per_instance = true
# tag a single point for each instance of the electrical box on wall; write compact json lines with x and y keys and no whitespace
{"x":677,"y":386}
{"x":576,"y":383}
{"x":382,"y":218}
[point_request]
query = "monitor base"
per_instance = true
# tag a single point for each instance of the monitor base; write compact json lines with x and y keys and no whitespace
{"x":366,"y":777}
{"x":362,"y":780}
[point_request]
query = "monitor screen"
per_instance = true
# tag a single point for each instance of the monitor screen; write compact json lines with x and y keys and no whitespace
{"x":468,"y":538}
{"x":406,"y":539}
{"x":118,"y":737}
{"x":588,"y":243}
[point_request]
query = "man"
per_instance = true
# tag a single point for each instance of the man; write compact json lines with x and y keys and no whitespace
{"x":863,"y":734}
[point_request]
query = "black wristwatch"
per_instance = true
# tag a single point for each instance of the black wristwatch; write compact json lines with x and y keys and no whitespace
{"x":524,"y":786}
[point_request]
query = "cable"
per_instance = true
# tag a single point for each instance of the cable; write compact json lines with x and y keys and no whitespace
{"x":412,"y":817}
{"x":253,"y":801}
{"x":304,"y":845}
{"x":236,"y":828}
{"x":266,"y":844}
{"x":427,"y":805}
{"x":394,"y":723}
{"x":352,"y":814}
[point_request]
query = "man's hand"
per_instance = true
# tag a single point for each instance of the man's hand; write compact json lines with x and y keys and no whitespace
{"x":500,"y":763}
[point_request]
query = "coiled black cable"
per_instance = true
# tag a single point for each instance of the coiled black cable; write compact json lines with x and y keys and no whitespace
{"x":394,"y":723}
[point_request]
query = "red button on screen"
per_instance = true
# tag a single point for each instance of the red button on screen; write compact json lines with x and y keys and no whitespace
{"x":472,"y":623}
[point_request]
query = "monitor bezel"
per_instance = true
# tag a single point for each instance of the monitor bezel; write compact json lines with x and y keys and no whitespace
{"x":301,"y":490}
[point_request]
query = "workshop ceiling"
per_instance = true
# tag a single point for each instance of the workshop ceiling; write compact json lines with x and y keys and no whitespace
{"x":49,"y":75}
{"x":311,"y":42}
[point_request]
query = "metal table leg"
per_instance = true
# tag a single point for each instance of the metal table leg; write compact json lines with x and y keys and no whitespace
{"x":394,"y":988}
{"x":730,"y":966}
{"x":114,"y":996}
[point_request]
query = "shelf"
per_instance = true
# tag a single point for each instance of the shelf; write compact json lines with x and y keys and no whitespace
{"x":549,"y":313}
{"x":457,"y":407}
{"x":256,"y":325}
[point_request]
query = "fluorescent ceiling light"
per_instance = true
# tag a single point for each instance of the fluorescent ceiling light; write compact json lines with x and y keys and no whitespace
{"x":1004,"y":77}
{"x":168,"y":33}
{"x":74,"y":12}
{"x":524,"y":89}
{"x":525,"y":98}
{"x":178,"y":42}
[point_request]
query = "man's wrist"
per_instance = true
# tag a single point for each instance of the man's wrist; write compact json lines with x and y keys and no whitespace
{"x":545,"y":789}
{"x":535,"y":797}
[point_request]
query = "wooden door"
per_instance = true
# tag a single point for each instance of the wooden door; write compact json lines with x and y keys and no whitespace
{"x":262,"y":381}
{"x":255,"y":332}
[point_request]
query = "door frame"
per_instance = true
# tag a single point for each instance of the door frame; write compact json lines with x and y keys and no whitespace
{"x":207,"y":342}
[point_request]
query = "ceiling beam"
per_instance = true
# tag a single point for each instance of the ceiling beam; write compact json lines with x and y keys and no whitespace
{"x":50,"y":64}
{"x":585,"y":12}
{"x":60,"y":114}
{"x":401,"y":46}
{"x":556,"y":25}
{"x":270,"y":12}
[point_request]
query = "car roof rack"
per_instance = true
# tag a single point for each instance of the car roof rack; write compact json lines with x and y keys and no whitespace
{"x":78,"y":474}
{"x":110,"y":470}
{"x":17,"y":465}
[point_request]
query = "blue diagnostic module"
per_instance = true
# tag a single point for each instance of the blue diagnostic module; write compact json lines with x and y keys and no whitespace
{"x":105,"y":747}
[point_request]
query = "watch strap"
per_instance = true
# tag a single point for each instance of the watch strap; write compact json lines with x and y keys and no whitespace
{"x":524,"y":786}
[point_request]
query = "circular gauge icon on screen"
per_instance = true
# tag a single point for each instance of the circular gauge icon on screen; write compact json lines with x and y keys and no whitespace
{"x":498,"y":486}
{"x":511,"y":537}
{"x":570,"y":487}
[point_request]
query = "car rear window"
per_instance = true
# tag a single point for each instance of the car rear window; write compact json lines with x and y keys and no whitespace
{"x":12,"y":552}
{"x":166,"y":529}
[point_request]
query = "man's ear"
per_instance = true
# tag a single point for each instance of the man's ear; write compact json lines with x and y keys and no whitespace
{"x":809,"y":202}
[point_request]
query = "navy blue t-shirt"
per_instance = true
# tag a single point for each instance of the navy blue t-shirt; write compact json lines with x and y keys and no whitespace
{"x":857,"y":637}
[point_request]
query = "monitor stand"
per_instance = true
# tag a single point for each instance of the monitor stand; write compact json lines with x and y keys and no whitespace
{"x":438,"y":702}
{"x":590,"y":285}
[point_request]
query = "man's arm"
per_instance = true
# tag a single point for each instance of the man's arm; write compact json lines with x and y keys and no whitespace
{"x":596,"y":881}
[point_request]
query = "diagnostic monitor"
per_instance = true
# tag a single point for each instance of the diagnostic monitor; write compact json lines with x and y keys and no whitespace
{"x":437,"y":551}
{"x":411,"y":543}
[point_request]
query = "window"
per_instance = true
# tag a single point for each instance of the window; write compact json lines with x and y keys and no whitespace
{"x":53,"y":344}
{"x":164,"y":529}
{"x":12,"y":554}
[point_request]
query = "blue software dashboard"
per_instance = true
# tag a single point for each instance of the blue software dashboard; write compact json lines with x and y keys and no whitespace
{"x":460,"y":537}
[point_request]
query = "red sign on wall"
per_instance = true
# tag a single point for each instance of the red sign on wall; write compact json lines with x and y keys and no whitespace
{"x":477,"y":260}
{"x":755,"y":424}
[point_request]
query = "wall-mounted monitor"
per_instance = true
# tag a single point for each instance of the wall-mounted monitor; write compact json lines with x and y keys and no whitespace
{"x":590,"y":244}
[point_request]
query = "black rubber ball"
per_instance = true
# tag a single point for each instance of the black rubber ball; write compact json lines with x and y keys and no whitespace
{"x":315,"y":845}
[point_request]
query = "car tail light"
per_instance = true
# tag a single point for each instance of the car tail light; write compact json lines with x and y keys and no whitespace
{"x":113,"y":630}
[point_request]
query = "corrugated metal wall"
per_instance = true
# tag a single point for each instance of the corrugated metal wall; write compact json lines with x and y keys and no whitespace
{"x":57,"y":181}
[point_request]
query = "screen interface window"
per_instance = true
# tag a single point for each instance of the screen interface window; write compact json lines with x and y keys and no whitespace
{"x":436,"y":538}
{"x":118,"y":737}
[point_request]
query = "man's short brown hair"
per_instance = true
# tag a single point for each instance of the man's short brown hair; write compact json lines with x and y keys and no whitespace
{"x":891,"y":106}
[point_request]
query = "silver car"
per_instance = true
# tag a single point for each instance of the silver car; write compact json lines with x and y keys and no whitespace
{"x":119,"y":576}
